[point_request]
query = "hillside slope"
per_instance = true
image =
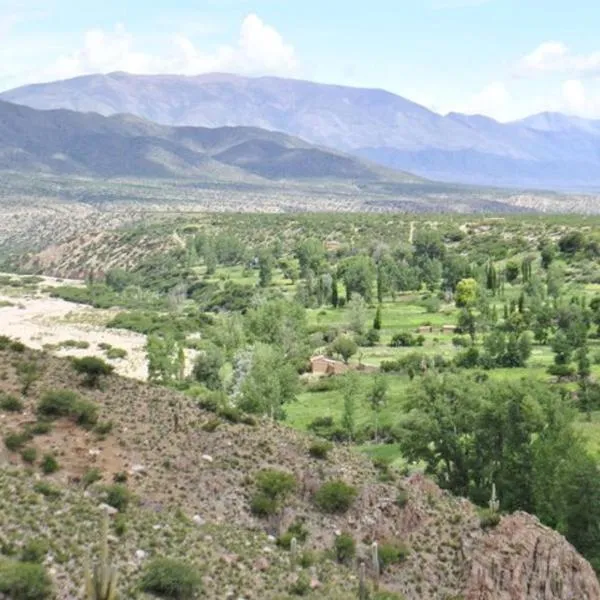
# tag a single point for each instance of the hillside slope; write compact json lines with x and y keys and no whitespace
{"x":194,"y":474}
{"x":88,"y":144}
{"x":548,"y":150}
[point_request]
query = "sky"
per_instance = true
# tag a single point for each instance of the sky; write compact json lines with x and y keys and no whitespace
{"x":503,"y":58}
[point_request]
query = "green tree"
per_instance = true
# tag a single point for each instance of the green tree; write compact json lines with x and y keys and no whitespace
{"x":358,"y":275}
{"x":162,"y":353}
{"x":335,"y":293}
{"x":377,"y":319}
{"x":511,"y":271}
{"x":357,"y":312}
{"x":265,"y":269}
{"x":270,"y":383}
{"x":350,"y":390}
{"x":377,"y":398}
{"x":207,"y":368}
{"x":344,"y":346}
{"x":466,"y":293}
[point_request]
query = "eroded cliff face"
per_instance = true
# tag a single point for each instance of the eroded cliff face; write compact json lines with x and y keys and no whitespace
{"x":522,"y":559}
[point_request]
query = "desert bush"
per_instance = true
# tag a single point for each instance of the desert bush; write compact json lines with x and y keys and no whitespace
{"x":16,"y":440}
{"x":35,"y":550}
{"x":29,"y":454}
{"x":488,"y":518}
{"x":335,"y":497}
{"x":93,"y":368}
{"x":320,"y":449}
{"x":10,"y":403}
{"x":116,"y":353}
{"x":392,"y":553}
{"x":272,"y":487}
{"x":169,"y":578}
{"x":300,"y":587}
{"x":118,"y":496}
{"x":49,"y":464}
{"x":66,"y":403}
{"x":47,"y":490}
{"x":344,"y":547}
{"x":91,"y":476}
{"x":57,"y":403}
{"x":24,"y":581}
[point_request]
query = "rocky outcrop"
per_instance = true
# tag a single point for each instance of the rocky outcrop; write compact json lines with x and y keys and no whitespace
{"x":523,"y":560}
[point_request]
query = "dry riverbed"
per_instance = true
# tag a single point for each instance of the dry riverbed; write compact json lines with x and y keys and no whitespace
{"x":42,"y":322}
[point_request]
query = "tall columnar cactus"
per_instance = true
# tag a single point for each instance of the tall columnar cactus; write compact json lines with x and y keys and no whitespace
{"x":293,"y":552}
{"x":363,"y":590}
{"x":375,"y":559}
{"x":101,"y":584}
{"x":494,"y":503}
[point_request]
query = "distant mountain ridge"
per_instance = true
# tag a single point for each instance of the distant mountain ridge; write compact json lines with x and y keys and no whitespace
{"x":65,"y":142}
{"x":549,"y":150}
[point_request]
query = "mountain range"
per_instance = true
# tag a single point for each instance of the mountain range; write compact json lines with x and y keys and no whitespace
{"x":548,"y":150}
{"x":66,"y":142}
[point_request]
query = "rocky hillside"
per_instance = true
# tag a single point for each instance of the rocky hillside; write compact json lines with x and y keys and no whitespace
{"x":194,"y":477}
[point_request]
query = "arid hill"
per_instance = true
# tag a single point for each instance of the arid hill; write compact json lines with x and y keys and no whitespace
{"x":194,"y":474}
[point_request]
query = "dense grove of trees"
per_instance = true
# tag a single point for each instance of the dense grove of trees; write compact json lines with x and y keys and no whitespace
{"x":252,"y":340}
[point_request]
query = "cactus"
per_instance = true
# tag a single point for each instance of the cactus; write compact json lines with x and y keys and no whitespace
{"x":363,"y":590}
{"x":375,"y":559}
{"x":101,"y":584}
{"x":293,"y":552}
{"x":494,"y":503}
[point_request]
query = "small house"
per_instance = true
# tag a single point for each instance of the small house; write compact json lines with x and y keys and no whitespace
{"x":449,"y":329}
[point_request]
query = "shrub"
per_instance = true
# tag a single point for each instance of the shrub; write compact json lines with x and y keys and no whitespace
{"x":85,"y":413}
{"x":24,"y":581}
{"x":17,"y":346}
{"x":488,"y":518}
{"x":344,"y":547}
{"x":16,"y":440}
{"x":34,"y":551}
{"x":263,"y":506}
{"x":103,"y":428}
{"x":392,"y":553}
{"x":117,"y":496}
{"x":320,"y":449}
{"x":66,"y":403}
{"x":402,"y":498}
{"x":49,"y":464}
{"x":120,"y":525}
{"x":47,"y":490}
{"x":295,"y":530}
{"x":92,"y":368}
{"x":5,"y":342}
{"x":120,"y":477}
{"x":10,"y":403}
{"x":405,"y":339}
{"x":41,"y":428}
{"x":300,"y":587}
{"x":272,"y":488}
{"x":116,"y":353}
{"x":171,"y":578}
{"x":335,"y":497}
{"x":91,"y":476}
{"x":78,"y":344}
{"x":29,"y":454}
{"x":57,"y":403}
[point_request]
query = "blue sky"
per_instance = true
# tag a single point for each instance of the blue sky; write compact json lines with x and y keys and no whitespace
{"x":503,"y":58}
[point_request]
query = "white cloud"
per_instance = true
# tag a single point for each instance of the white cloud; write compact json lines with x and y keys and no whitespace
{"x":260,"y":49}
{"x":578,"y":100}
{"x":557,"y":57}
{"x":494,"y":100}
